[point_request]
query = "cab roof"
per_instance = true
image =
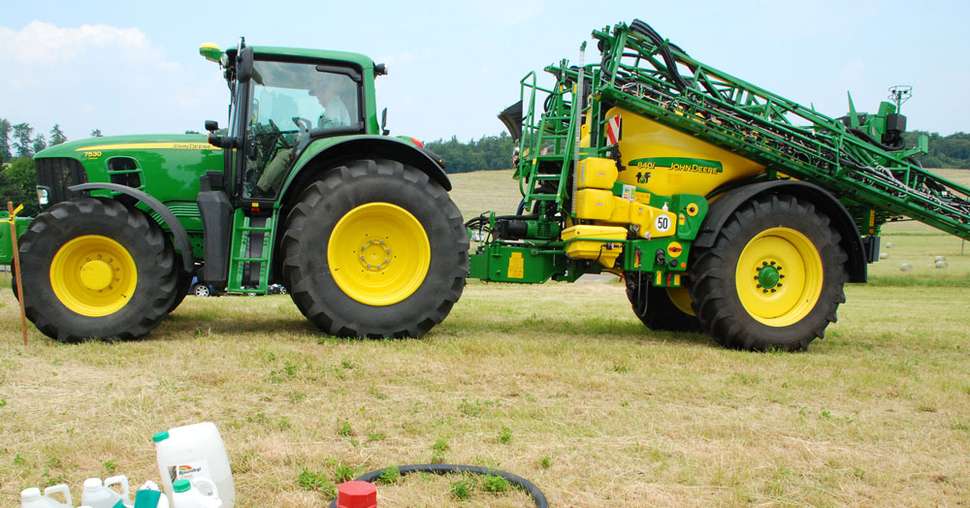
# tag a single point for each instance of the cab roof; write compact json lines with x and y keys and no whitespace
{"x":363,"y":61}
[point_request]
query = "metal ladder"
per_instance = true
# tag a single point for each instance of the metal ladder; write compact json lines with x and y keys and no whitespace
{"x":251,"y":250}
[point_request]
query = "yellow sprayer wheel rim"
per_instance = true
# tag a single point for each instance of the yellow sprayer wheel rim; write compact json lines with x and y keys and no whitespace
{"x":779,"y":276}
{"x":93,"y":275}
{"x":680,"y":297}
{"x":378,"y":254}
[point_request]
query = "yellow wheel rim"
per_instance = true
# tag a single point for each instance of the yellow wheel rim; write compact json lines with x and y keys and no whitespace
{"x":779,"y":276}
{"x":378,"y":254}
{"x":680,"y":297}
{"x":93,"y":275}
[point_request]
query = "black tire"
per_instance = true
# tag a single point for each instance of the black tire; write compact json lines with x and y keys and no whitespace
{"x":182,"y":286}
{"x":655,"y":308}
{"x":145,"y":243}
{"x":714,"y":288}
{"x":13,"y":282}
{"x":306,"y":272}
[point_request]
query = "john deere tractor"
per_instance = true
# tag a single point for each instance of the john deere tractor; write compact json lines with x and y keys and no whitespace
{"x":303,"y":188}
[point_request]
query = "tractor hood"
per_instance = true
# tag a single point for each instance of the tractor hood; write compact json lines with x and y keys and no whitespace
{"x":139,"y":142}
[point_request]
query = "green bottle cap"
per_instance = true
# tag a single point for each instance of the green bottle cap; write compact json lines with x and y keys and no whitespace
{"x":181,"y":485}
{"x":160,"y":436}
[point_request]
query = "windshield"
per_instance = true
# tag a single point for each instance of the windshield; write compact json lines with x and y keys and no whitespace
{"x":289,"y":100}
{"x":285,"y":92}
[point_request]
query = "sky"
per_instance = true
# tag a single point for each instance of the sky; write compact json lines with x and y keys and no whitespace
{"x":133,"y":67}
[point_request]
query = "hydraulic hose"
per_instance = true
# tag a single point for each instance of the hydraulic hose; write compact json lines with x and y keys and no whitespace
{"x":671,"y":63}
{"x":442,"y":469}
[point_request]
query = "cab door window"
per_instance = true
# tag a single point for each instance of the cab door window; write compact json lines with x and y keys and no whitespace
{"x":289,"y":102}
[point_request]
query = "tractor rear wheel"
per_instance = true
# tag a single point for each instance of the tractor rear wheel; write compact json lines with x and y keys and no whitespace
{"x":375,"y":249}
{"x":773,"y":278}
{"x":95,"y":268}
{"x":665,"y":309}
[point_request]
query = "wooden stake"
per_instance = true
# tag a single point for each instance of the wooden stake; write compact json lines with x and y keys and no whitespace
{"x":16,"y":267}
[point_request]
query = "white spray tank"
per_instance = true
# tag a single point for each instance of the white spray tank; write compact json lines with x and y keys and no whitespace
{"x":192,"y":452}
{"x":188,"y":494}
{"x":100,"y":495}
{"x":32,"y":498}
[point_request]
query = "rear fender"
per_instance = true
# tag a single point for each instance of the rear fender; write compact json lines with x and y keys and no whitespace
{"x":726,"y":203}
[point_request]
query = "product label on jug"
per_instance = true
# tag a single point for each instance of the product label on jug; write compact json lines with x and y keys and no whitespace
{"x":188,"y":470}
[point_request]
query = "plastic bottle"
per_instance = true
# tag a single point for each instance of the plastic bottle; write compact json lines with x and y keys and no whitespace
{"x":100,"y":495}
{"x":193,"y":452}
{"x":149,"y":496}
{"x":188,"y":494}
{"x":32,"y":498}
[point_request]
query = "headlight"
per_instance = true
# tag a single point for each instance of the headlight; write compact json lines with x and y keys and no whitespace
{"x":43,"y":196}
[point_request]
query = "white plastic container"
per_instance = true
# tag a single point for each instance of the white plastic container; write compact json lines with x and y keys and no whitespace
{"x":193,"y":452}
{"x":32,"y":498}
{"x":189,"y":493}
{"x":98,"y":494}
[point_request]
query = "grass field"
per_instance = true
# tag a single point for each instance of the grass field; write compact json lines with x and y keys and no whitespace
{"x":558,"y":383}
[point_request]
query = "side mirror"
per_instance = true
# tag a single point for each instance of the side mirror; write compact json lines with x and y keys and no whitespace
{"x":384,"y":130}
{"x":211,"y":125}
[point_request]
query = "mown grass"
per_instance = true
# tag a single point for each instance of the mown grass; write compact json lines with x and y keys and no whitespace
{"x":558,"y":383}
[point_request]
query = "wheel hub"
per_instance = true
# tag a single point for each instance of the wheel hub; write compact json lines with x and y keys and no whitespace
{"x":375,"y":255}
{"x":769,"y":276}
{"x":96,"y":274}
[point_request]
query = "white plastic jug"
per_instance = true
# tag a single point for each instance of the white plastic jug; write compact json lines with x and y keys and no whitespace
{"x":188,"y":493}
{"x":192,"y":452}
{"x":100,"y":495}
{"x":32,"y":498}
{"x":145,"y":499}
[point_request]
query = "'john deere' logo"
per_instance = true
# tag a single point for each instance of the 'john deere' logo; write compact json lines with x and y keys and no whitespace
{"x":681,"y":164}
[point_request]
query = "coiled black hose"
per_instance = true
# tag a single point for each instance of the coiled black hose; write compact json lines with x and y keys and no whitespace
{"x":441,"y":469}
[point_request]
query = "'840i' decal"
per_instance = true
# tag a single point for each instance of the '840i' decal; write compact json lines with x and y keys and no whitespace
{"x":681,"y":164}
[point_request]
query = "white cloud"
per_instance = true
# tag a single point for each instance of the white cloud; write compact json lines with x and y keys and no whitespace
{"x":44,"y":43}
{"x":101,"y":76}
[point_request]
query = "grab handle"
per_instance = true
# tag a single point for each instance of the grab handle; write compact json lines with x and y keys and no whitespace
{"x":61,"y":489}
{"x":121,"y":480}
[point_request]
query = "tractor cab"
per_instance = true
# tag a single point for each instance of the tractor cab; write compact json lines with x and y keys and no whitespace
{"x":281,"y":100}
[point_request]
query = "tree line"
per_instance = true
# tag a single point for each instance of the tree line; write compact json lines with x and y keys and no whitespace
{"x":487,"y":152}
{"x":951,"y":151}
{"x":495,"y":152}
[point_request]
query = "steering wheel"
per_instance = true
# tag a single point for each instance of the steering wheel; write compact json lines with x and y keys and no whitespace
{"x":304,"y":125}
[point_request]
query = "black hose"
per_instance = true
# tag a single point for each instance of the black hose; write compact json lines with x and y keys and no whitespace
{"x":442,"y":469}
{"x":647,"y":31}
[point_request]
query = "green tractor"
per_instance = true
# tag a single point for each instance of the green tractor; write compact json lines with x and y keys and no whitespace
{"x":304,"y":188}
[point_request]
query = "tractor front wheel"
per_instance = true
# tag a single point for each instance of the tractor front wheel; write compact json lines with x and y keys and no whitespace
{"x":95,"y":268}
{"x":375,"y":249}
{"x":773,"y":278}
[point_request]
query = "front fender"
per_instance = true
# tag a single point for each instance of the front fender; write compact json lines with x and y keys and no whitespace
{"x":179,"y":236}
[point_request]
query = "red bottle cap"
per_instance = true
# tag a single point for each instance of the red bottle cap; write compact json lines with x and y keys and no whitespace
{"x":356,"y":494}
